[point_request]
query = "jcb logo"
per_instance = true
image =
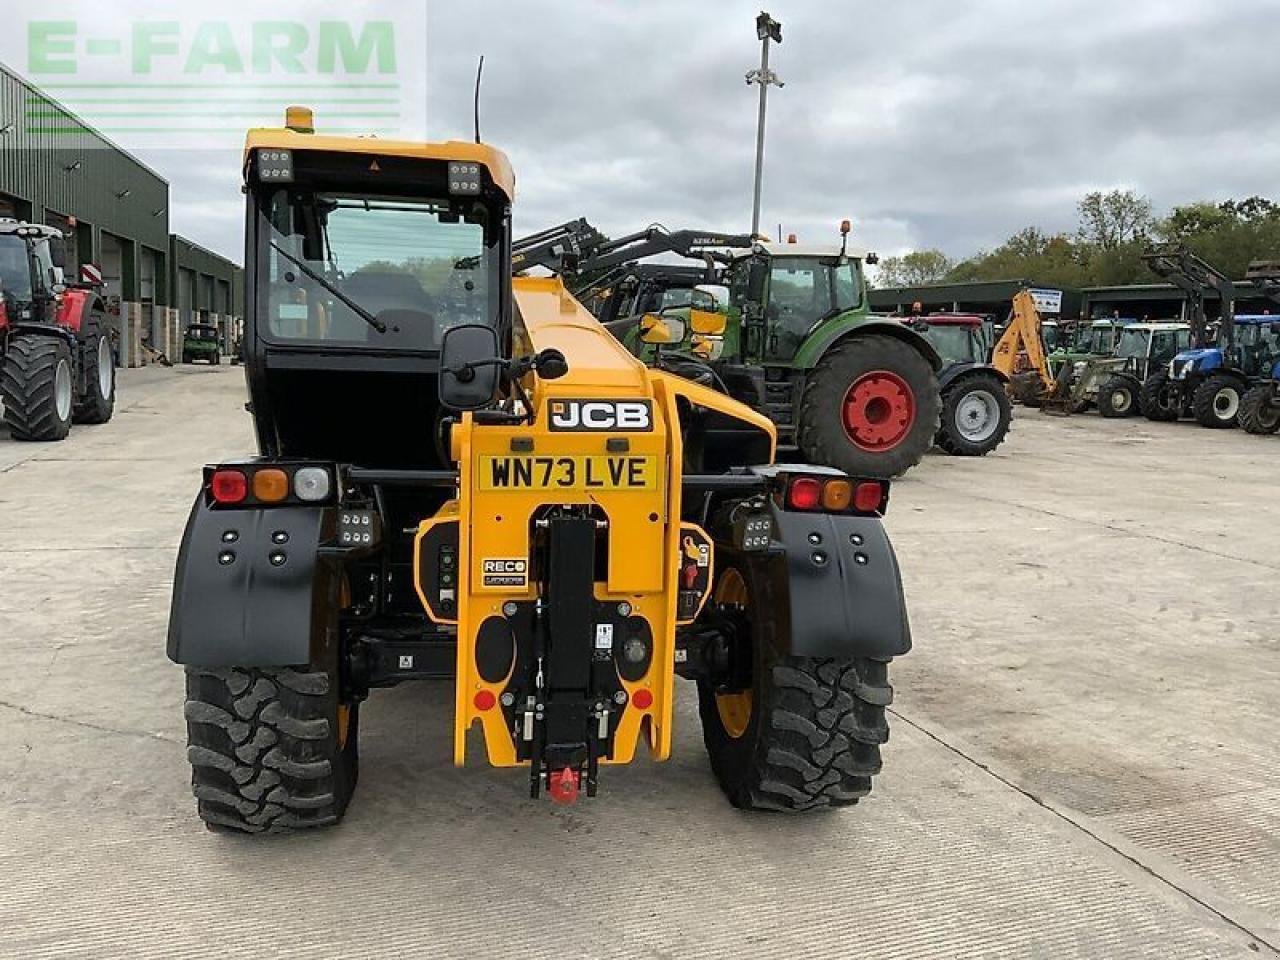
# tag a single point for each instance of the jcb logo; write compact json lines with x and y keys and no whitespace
{"x":583,"y":415}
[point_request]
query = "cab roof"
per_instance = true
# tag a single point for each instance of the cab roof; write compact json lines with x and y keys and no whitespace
{"x":802,"y":250}
{"x":10,"y":226}
{"x":491,"y":158}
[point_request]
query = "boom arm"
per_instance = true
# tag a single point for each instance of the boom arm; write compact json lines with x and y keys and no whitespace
{"x":657,"y":239}
{"x":1265,"y":276}
{"x":1195,"y":277}
{"x":1023,"y":335}
{"x":559,"y":248}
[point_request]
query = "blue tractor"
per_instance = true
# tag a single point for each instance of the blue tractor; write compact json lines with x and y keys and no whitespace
{"x":1260,"y":407}
{"x":1208,"y":381}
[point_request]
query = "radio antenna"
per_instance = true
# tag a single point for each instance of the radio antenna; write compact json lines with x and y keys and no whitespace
{"x":479,"y":73}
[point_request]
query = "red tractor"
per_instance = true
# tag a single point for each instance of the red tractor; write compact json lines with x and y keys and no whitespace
{"x":56,"y":360}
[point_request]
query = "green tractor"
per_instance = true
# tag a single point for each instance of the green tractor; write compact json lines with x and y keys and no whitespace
{"x":783,"y":327}
{"x":200,"y":342}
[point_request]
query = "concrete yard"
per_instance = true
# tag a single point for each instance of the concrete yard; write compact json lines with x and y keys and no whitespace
{"x":1085,"y":758}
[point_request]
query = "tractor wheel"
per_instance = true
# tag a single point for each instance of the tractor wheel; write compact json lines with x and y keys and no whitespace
{"x":806,"y":733}
{"x":37,"y":385}
{"x":98,"y":402}
{"x":270,"y":749}
{"x":1161,"y":398}
{"x":975,"y":416}
{"x":870,"y":407}
{"x":217,"y":359}
{"x":1216,"y":402}
{"x":186,"y":358}
{"x":1118,"y":398}
{"x":1260,"y":410}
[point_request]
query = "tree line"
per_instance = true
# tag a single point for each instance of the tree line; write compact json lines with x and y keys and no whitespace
{"x":1106,"y":248}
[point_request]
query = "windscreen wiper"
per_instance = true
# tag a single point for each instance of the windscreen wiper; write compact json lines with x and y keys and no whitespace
{"x":358,"y":310}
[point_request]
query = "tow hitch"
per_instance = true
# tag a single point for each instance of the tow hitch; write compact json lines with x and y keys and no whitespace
{"x":563,"y":785}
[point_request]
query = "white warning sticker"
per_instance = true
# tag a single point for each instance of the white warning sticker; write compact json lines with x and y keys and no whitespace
{"x":604,"y":636}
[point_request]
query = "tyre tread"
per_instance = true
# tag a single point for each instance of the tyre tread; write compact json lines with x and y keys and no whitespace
{"x":262,"y":754}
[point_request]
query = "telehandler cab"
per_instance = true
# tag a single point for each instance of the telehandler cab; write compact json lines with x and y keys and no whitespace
{"x":464,"y":477}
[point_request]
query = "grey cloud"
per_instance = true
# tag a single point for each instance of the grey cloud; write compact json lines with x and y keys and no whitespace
{"x":928,"y":123}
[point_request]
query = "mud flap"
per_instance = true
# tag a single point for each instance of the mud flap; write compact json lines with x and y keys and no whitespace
{"x":840,"y":580}
{"x":247,"y":586}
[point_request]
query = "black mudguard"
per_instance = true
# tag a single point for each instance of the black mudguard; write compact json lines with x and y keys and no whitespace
{"x":849,"y":604}
{"x":251,"y":612}
{"x":957,"y":370}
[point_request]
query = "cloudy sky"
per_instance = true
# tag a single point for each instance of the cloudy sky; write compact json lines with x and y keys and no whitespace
{"x":928,"y":122}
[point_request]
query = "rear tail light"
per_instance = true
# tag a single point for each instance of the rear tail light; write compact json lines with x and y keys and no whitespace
{"x":229,"y":486}
{"x":869,"y":496}
{"x":824,"y":494}
{"x":311,"y":484}
{"x":271,"y":485}
{"x":837,"y":495}
{"x":805,"y":493}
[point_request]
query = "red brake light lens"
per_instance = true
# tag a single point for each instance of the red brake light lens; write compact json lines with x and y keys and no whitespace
{"x":868,"y":496}
{"x":229,"y":486}
{"x":805,"y":493}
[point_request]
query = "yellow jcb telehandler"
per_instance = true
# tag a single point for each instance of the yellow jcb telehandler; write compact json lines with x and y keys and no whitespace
{"x":465,"y":478}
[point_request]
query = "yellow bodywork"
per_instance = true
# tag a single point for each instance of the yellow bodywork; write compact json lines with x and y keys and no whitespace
{"x":646,"y":536}
{"x":1023,"y":337}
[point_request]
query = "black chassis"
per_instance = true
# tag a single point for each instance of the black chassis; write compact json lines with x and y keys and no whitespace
{"x":272,"y":586}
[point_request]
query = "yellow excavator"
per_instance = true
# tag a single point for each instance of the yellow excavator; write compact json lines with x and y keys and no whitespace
{"x":1019,"y":354}
{"x":464,"y":478}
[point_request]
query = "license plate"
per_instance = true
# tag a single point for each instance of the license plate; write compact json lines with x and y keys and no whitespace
{"x":568,"y":473}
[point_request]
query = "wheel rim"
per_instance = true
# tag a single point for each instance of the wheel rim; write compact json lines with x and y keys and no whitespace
{"x":106,"y":367}
{"x":1226,"y":403}
{"x":62,"y":389}
{"x":1121,"y":401}
{"x":977,"y":416}
{"x":734,"y":708}
{"x":879,"y":410}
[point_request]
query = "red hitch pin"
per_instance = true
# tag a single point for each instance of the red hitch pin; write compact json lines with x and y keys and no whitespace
{"x":563,"y":786}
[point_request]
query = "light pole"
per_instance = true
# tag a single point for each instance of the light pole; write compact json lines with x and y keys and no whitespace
{"x":767,"y":29}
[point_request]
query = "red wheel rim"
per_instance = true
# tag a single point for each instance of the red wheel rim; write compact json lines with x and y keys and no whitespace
{"x":879,"y":411}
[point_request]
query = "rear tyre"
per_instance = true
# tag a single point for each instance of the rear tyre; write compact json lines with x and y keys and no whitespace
{"x":217,"y":359}
{"x":806,"y":735}
{"x":1161,"y":399}
{"x":270,"y":749}
{"x":870,"y":407}
{"x":37,"y":385}
{"x":1260,"y":410}
{"x":975,"y":416}
{"x":1118,"y":397}
{"x":98,"y":402}
{"x":1216,"y":402}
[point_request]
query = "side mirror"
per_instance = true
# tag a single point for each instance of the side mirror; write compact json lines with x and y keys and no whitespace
{"x":58,"y":252}
{"x":718,"y":293}
{"x":469,"y":367}
{"x":661,"y":329}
